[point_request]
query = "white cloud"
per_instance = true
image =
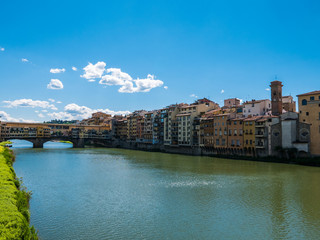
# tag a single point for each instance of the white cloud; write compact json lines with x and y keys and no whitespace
{"x":222,"y":91}
{"x":44,"y":110}
{"x":40,"y":115}
{"x":2,"y":49}
{"x":193,"y":95}
{"x":165,"y":87}
{"x":116,"y":77}
{"x":145,"y":85}
{"x":24,"y":60}
{"x":74,"y":69}
{"x":59,"y":102}
{"x":36,"y":111}
{"x":267,"y":89}
{"x":94,"y":71}
{"x":51,"y":100}
{"x":7,"y":118}
{"x":55,"y":84}
{"x":75,"y":112}
{"x":57,"y":70}
{"x":29,"y":103}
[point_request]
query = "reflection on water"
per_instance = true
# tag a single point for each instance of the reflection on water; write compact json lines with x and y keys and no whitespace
{"x":122,"y":194}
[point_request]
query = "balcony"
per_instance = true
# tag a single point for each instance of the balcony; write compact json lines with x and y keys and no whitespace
{"x":260,"y":145}
{"x":261,"y":134}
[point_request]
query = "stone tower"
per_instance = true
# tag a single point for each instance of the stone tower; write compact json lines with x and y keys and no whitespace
{"x":276,"y":97}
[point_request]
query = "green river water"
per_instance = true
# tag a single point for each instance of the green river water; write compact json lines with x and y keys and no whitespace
{"x":98,"y":193}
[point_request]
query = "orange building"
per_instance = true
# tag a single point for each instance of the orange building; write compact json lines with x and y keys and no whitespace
{"x":221,"y":132}
{"x":235,"y":135}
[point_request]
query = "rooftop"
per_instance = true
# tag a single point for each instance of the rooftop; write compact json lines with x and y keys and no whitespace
{"x":309,"y":93}
{"x":256,"y":101}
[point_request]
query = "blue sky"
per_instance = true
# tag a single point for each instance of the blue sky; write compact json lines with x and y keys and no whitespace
{"x":189,"y":48}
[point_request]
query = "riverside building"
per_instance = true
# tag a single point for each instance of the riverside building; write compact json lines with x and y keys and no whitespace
{"x":309,"y":112}
{"x":256,"y":128}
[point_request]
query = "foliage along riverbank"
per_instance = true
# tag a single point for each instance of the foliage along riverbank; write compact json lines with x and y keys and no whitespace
{"x":14,"y":202}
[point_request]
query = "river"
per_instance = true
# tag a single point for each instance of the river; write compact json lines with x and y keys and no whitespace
{"x":99,"y":193}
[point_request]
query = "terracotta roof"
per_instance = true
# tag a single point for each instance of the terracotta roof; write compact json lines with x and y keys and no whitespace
{"x":220,"y":115}
{"x":190,"y":106}
{"x":265,"y":118}
{"x":252,"y":118}
{"x":237,"y":119}
{"x":183,"y":114}
{"x":309,"y":93}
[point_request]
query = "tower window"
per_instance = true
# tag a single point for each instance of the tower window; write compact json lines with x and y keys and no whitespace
{"x":307,"y":113}
{"x":304,"y":102}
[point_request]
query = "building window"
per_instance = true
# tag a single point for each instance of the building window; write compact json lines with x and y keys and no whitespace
{"x":311,"y":98}
{"x":304,"y":102}
{"x":307,"y":113}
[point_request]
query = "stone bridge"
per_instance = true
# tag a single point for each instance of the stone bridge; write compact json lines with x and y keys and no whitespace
{"x":40,"y":133}
{"x":39,"y":141}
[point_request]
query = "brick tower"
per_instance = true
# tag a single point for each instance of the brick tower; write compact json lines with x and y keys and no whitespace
{"x":276,"y":97}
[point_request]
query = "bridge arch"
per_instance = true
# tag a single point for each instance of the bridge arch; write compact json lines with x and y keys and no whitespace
{"x":39,"y":142}
{"x":56,"y":141}
{"x":27,"y":141}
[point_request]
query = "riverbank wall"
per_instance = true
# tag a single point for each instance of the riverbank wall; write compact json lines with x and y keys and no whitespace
{"x":209,"y":152}
{"x":14,"y":202}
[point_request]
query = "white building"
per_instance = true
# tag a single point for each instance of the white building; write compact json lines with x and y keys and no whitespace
{"x":257,"y":108}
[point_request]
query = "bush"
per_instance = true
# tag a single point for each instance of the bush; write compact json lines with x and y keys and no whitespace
{"x":14,"y":202}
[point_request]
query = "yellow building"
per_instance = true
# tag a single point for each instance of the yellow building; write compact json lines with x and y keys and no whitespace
{"x":249,"y":135}
{"x":221,"y":132}
{"x":43,"y":131}
{"x":309,"y":109}
{"x":235,"y":135}
{"x":132,"y":127}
